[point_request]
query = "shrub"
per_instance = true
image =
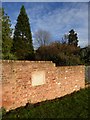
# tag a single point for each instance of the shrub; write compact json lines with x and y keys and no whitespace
{"x":61,"y":54}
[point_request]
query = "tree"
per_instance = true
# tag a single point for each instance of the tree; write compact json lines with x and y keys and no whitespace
{"x":61,"y":54}
{"x":6,"y":36}
{"x":0,"y":33}
{"x":64,"y":39}
{"x":85,"y":55}
{"x":72,"y":38}
{"x":42,"y":37}
{"x":22,"y":45}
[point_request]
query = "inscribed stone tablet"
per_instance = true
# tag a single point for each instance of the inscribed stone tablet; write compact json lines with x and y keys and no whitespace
{"x":38,"y":78}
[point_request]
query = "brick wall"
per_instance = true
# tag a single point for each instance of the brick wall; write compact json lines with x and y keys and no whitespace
{"x":17,"y":76}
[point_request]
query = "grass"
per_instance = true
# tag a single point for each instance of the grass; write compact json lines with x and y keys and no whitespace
{"x":74,"y":105}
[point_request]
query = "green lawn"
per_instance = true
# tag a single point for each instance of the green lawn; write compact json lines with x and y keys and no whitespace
{"x":74,"y":105}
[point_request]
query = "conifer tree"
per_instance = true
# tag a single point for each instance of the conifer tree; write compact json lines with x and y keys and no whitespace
{"x":22,"y":45}
{"x":72,"y":38}
{"x":0,"y":34}
{"x":6,"y":36}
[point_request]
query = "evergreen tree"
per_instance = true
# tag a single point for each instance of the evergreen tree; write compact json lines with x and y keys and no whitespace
{"x":6,"y":35}
{"x":22,"y":45}
{"x":0,"y":33}
{"x":72,"y":38}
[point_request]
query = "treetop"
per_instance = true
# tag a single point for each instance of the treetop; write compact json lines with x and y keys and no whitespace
{"x":23,"y":9}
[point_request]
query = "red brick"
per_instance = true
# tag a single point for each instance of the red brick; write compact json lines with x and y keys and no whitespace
{"x":17,"y":87}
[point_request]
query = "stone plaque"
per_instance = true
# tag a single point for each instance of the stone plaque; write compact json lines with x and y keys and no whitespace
{"x":38,"y":78}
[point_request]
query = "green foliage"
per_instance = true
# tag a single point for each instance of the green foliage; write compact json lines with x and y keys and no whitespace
{"x":85,"y":55}
{"x":22,"y":45}
{"x":9,"y":56}
{"x":72,"y":38}
{"x":6,"y":35}
{"x":61,"y":54}
{"x":74,"y":105}
{"x":0,"y":33}
{"x":2,"y":111}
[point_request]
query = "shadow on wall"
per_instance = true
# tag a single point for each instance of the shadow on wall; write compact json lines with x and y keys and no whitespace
{"x":87,"y":74}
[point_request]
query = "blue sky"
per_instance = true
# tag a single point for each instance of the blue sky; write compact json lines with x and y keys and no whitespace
{"x":46,"y":0}
{"x":55,"y":17}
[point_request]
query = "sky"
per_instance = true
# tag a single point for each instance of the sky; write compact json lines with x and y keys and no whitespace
{"x":46,"y":0}
{"x":58,"y":18}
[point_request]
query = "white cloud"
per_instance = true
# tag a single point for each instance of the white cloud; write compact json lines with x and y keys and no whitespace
{"x":60,"y":21}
